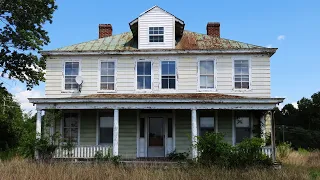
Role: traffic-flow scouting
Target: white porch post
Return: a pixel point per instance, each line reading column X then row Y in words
column 273, row 137
column 263, row 127
column 194, row 133
column 116, row 132
column 38, row 130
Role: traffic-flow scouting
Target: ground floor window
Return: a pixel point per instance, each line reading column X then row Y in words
column 105, row 128
column 206, row 125
column 71, row 127
column 243, row 128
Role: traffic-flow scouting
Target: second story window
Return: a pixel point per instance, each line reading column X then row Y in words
column 107, row 74
column 156, row 34
column 206, row 74
column 241, row 74
column 144, row 75
column 168, row 74
column 71, row 71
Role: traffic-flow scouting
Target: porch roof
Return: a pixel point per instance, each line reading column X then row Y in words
column 158, row 101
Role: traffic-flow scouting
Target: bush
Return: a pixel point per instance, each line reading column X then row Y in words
column 175, row 156
column 213, row 150
column 283, row 150
column 107, row 158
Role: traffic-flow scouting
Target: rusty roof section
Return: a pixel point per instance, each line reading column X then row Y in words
column 204, row 96
column 189, row 41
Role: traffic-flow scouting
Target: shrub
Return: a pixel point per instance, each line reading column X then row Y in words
column 107, row 158
column 213, row 150
column 175, row 156
column 303, row 151
column 283, row 150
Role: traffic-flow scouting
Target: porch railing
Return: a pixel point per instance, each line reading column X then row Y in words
column 87, row 152
column 267, row 151
column 81, row 152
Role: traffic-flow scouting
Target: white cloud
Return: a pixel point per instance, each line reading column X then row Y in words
column 281, row 37
column 269, row 46
column 22, row 98
column 295, row 104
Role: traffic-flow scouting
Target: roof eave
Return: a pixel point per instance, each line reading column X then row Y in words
column 269, row 51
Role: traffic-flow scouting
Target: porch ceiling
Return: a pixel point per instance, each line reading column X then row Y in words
column 158, row 101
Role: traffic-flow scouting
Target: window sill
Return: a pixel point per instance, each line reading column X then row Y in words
column 143, row 90
column 106, row 91
column 70, row 91
column 207, row 90
column 241, row 90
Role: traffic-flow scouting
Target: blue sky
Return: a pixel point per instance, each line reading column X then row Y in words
column 292, row 26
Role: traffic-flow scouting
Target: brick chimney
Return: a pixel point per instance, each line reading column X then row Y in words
column 105, row 30
column 213, row 29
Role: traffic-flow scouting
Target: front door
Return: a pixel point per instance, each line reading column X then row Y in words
column 156, row 137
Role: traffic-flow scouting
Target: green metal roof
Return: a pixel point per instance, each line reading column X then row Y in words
column 189, row 41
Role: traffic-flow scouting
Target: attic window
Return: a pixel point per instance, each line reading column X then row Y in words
column 156, row 34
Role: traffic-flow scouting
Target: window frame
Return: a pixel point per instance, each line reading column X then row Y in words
column 62, row 124
column 99, row 131
column 215, row 124
column 176, row 74
column 63, row 82
column 115, row 76
column 233, row 73
column 136, row 75
column 214, row 74
column 155, row 34
column 234, row 128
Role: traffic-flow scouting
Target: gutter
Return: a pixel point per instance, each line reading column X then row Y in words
column 269, row 51
column 99, row 100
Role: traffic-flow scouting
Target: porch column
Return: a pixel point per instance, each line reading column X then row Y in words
column 194, row 133
column 273, row 137
column 38, row 130
column 116, row 132
column 263, row 127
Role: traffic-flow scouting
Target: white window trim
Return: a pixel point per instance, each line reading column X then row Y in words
column 62, row 123
column 150, row 43
column 136, row 75
column 233, row 73
column 63, row 76
column 215, row 74
column 160, row 74
column 234, row 135
column 115, row 76
column 98, row 131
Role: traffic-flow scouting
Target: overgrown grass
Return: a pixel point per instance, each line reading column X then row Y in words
column 297, row 165
column 22, row 169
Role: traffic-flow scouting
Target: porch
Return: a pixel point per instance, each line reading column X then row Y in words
column 138, row 128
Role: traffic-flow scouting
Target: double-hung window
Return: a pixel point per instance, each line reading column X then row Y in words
column 105, row 128
column 241, row 74
column 144, row 75
column 107, row 75
column 71, row 71
column 168, row 74
column 206, row 73
column 156, row 34
column 206, row 125
column 243, row 128
column 70, row 127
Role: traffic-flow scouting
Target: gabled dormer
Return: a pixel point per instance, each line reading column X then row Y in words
column 156, row 29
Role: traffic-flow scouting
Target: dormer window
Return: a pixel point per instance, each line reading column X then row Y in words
column 156, row 34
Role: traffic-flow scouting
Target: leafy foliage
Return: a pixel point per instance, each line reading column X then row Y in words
column 215, row 151
column 108, row 157
column 21, row 36
column 302, row 125
column 175, row 156
column 283, row 150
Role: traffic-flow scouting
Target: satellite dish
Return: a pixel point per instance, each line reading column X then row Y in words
column 79, row 80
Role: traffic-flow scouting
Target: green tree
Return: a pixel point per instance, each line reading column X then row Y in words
column 22, row 36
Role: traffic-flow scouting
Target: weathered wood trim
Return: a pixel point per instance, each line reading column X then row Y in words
column 239, row 106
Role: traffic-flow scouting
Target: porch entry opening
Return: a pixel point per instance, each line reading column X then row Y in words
column 156, row 137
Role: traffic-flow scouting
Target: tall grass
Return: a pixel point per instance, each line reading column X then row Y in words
column 22, row 169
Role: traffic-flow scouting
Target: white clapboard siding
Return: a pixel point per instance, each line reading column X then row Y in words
column 156, row 18
column 187, row 73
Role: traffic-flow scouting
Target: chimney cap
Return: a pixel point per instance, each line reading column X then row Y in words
column 213, row 24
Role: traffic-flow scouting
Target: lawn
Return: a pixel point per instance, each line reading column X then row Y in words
column 296, row 166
